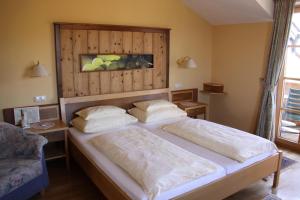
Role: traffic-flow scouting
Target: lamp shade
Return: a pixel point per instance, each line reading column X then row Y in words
column 39, row 70
column 190, row 63
column 187, row 62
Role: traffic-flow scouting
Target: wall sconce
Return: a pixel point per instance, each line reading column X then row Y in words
column 39, row 70
column 187, row 62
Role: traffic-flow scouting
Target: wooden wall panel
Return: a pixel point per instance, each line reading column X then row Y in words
column 163, row 55
column 93, row 47
column 67, row 61
column 127, row 49
column 116, row 77
column 148, row 49
column 71, row 40
column 158, row 60
column 138, row 47
column 79, row 47
column 104, row 47
column 127, row 42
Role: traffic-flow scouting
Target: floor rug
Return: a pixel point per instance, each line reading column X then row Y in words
column 286, row 162
column 271, row 197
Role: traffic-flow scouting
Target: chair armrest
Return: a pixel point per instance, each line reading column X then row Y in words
column 15, row 142
column 31, row 146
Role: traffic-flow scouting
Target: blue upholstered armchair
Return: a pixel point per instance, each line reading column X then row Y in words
column 23, row 171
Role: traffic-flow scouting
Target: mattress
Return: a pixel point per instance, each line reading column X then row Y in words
column 228, row 164
column 123, row 180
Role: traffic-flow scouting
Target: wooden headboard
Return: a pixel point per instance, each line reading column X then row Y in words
column 72, row 40
column 69, row 106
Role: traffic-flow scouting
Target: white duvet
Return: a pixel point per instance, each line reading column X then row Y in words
column 230, row 142
column 154, row 163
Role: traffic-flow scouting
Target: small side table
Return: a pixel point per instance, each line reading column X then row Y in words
column 193, row 109
column 57, row 133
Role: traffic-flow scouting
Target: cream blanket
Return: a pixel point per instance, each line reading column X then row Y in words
column 154, row 163
column 230, row 142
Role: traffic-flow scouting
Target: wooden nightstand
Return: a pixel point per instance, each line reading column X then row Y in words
column 57, row 136
column 188, row 100
column 193, row 109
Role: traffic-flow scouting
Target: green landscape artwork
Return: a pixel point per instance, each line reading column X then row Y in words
column 109, row 62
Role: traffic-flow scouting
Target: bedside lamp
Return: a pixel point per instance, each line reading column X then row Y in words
column 39, row 70
column 187, row 62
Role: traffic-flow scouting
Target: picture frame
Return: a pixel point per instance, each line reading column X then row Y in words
column 115, row 62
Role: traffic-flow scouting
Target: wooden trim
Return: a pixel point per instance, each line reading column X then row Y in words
column 288, row 144
column 63, row 110
column 277, row 173
column 213, row 93
column 168, row 58
column 59, row 126
column 67, row 149
column 297, row 9
column 225, row 186
column 293, row 45
column 290, row 110
column 112, row 96
column 180, row 94
column 57, row 28
column 234, row 182
column 292, row 79
column 109, row 27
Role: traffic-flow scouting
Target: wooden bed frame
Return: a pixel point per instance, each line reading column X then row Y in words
column 218, row 189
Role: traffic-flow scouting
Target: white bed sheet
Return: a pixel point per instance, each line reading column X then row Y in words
column 230, row 165
column 123, row 180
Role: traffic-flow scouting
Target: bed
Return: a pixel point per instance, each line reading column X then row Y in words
column 115, row 185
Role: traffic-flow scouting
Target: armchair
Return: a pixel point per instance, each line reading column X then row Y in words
column 23, row 171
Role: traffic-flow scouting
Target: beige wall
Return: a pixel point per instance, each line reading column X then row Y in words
column 239, row 59
column 232, row 54
column 27, row 35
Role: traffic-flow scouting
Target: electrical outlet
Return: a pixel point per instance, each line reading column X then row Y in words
column 39, row 99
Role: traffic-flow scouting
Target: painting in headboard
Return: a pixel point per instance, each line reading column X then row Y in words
column 74, row 40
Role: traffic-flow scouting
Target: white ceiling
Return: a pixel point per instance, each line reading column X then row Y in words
column 218, row 12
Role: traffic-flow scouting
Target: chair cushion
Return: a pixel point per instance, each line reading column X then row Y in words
column 16, row 172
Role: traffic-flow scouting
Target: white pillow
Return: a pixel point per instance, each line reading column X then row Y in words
column 154, row 105
column 101, row 124
column 157, row 115
column 99, row 112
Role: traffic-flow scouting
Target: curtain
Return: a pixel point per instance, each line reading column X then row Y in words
column 283, row 11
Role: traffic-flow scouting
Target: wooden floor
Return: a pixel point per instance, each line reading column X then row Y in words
column 74, row 185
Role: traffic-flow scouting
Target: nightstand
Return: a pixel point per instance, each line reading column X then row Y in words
column 57, row 136
column 193, row 109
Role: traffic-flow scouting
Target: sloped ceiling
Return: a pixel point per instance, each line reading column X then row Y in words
column 218, row 12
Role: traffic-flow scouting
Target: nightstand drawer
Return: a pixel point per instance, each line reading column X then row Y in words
column 54, row 136
column 196, row 111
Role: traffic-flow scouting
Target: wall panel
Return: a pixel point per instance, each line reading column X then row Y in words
column 127, row 49
column 148, row 40
column 67, row 61
column 93, row 47
column 76, row 39
column 104, row 47
column 79, row 47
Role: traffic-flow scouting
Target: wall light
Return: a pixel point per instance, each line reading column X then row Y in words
column 39, row 70
column 187, row 62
